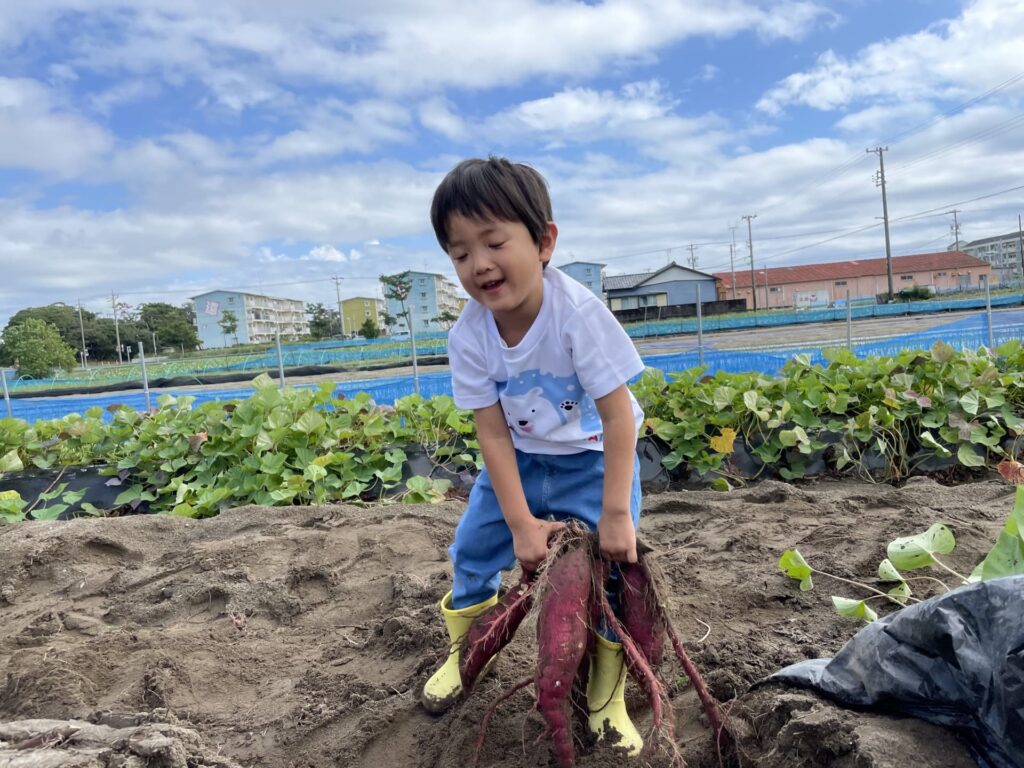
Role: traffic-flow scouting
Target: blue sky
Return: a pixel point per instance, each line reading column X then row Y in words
column 161, row 148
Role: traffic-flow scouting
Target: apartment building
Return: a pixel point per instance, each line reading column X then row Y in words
column 1003, row 252
column 589, row 273
column 359, row 309
column 259, row 318
column 431, row 295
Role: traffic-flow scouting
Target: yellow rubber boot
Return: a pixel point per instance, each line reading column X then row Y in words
column 445, row 686
column 605, row 697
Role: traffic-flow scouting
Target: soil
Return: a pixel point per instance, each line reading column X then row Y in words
column 300, row 636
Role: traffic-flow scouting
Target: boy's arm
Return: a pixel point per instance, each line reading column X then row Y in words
column 615, row 531
column 529, row 535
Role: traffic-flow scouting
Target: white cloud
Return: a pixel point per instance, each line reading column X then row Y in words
column 953, row 60
column 36, row 135
column 393, row 46
column 125, row 92
column 325, row 253
column 332, row 128
column 439, row 115
column 576, row 114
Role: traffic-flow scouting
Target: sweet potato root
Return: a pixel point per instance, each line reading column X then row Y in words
column 493, row 629
column 563, row 635
column 640, row 613
column 572, row 605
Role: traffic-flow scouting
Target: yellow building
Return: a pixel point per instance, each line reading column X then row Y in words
column 355, row 311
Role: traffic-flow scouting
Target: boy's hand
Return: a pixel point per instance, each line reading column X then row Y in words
column 617, row 537
column 530, row 541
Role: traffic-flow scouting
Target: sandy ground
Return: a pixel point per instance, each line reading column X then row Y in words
column 300, row 636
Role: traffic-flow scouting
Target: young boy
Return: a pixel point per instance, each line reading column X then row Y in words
column 543, row 365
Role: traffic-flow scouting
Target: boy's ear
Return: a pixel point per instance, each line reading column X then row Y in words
column 547, row 242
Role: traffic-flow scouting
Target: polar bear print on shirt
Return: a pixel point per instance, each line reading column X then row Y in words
column 545, row 402
column 531, row 413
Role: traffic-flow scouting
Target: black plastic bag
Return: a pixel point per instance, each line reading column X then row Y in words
column 956, row 660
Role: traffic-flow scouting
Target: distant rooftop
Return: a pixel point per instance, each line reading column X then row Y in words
column 842, row 270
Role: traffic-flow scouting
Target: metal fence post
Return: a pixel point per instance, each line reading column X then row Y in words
column 145, row 377
column 415, row 363
column 7, row 395
column 849, row 321
column 988, row 313
column 280, row 358
column 700, row 330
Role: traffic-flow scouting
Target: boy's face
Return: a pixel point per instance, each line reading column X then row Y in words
column 500, row 266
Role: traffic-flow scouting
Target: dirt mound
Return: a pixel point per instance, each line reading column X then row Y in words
column 301, row 636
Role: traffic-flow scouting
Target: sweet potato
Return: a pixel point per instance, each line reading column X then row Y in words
column 493, row 629
column 563, row 630
column 640, row 613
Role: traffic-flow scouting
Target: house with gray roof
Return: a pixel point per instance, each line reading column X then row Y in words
column 672, row 285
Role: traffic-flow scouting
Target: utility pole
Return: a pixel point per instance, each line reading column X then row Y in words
column 767, row 303
column 956, row 229
column 750, row 245
column 117, row 331
column 693, row 255
column 337, row 293
column 880, row 182
column 732, row 263
column 81, row 327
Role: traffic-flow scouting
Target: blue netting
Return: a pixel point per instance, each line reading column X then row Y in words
column 962, row 333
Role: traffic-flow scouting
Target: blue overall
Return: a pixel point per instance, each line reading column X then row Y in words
column 557, row 487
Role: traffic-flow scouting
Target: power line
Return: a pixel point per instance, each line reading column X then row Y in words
column 956, row 110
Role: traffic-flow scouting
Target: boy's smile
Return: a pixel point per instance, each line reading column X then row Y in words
column 501, row 267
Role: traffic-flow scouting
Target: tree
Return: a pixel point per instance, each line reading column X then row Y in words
column 322, row 321
column 369, row 329
column 36, row 348
column 60, row 315
column 170, row 324
column 398, row 287
column 445, row 319
column 229, row 324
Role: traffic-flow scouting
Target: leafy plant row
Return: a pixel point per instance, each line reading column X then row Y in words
column 881, row 418
column 292, row 446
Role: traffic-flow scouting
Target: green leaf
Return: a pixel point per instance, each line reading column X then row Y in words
column 911, row 552
column 720, row 484
column 1006, row 558
column 900, row 593
column 273, row 463
column 11, row 462
column 309, row 422
column 314, row 473
column 854, row 609
column 968, row 456
column 11, row 507
column 133, row 493
column 888, row 572
column 184, row 510
column 942, row 352
column 792, row 563
column 970, row 402
column 50, row 512
column 927, row 439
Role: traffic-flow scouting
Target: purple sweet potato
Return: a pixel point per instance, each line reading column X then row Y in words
column 492, row 630
column 563, row 634
column 640, row 613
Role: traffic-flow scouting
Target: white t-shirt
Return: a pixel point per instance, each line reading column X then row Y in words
column 574, row 353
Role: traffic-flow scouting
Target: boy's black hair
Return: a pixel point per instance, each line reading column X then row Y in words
column 495, row 187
